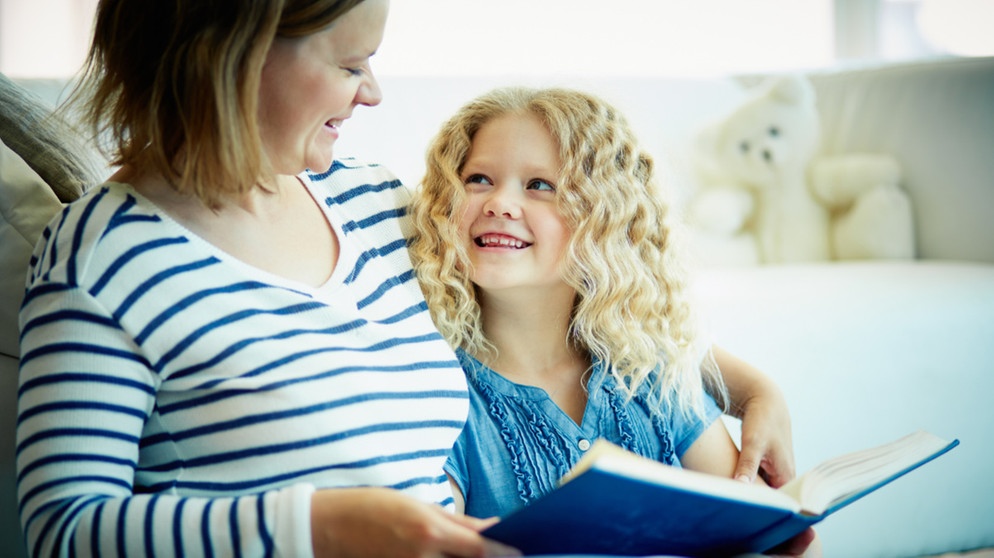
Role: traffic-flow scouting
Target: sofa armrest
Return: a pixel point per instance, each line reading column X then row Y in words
column 11, row 542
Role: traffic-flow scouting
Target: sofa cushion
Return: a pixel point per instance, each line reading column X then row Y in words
column 46, row 143
column 866, row 352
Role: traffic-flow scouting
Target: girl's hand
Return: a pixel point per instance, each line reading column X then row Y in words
column 767, row 445
column 382, row 522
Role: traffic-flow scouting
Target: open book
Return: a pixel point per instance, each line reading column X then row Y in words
column 615, row 502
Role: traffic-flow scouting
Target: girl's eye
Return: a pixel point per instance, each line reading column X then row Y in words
column 539, row 184
column 354, row 72
column 477, row 179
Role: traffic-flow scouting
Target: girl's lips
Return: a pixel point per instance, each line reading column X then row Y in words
column 492, row 240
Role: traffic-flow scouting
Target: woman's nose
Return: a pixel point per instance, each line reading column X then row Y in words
column 369, row 93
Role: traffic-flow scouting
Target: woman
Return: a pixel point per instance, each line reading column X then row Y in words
column 215, row 332
column 224, row 352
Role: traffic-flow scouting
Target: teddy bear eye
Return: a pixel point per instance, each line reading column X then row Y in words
column 774, row 132
column 744, row 147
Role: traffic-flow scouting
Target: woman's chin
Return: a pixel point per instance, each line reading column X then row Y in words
column 321, row 157
column 320, row 163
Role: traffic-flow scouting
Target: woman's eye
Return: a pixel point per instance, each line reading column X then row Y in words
column 355, row 72
column 539, row 184
column 477, row 179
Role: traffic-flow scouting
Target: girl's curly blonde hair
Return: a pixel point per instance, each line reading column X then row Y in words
column 631, row 310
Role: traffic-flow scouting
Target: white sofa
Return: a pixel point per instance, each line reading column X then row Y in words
column 864, row 351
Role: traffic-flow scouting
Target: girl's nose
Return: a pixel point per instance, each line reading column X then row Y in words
column 502, row 203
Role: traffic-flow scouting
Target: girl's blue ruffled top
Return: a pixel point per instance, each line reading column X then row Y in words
column 517, row 443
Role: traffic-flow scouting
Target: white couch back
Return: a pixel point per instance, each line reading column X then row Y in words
column 935, row 117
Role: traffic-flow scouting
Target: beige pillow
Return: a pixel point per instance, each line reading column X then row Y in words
column 42, row 164
column 26, row 206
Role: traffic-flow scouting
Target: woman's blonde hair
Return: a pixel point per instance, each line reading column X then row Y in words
column 631, row 309
column 174, row 85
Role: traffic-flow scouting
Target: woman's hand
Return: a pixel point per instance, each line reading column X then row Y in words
column 805, row 545
column 767, row 445
column 349, row 522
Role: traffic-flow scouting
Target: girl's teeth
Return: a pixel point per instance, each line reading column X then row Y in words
column 501, row 241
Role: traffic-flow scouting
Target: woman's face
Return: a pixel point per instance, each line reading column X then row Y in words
column 311, row 85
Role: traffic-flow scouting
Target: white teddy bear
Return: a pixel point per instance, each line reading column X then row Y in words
column 764, row 196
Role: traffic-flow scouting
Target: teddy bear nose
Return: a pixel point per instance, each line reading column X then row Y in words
column 767, row 156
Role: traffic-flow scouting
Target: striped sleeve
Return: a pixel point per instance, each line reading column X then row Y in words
column 85, row 394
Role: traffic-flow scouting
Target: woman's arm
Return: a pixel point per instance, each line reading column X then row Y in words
column 767, row 445
column 383, row 522
column 86, row 397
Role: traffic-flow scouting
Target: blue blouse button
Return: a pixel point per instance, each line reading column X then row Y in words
column 584, row 445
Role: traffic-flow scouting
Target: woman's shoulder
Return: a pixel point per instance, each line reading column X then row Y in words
column 362, row 189
column 88, row 216
column 101, row 226
column 355, row 173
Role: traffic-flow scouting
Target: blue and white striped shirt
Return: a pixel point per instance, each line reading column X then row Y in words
column 174, row 400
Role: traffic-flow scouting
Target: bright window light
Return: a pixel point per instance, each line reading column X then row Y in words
column 592, row 37
column 44, row 38
column 48, row 38
column 963, row 27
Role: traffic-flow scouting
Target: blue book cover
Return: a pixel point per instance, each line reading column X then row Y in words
column 617, row 503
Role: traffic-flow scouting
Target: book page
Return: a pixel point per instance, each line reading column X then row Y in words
column 838, row 478
column 613, row 459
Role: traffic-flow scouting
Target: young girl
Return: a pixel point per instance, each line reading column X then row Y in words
column 547, row 257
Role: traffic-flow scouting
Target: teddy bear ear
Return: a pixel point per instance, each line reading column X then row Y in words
column 791, row 88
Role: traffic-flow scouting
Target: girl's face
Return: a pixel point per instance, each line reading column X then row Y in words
column 514, row 233
column 311, row 85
